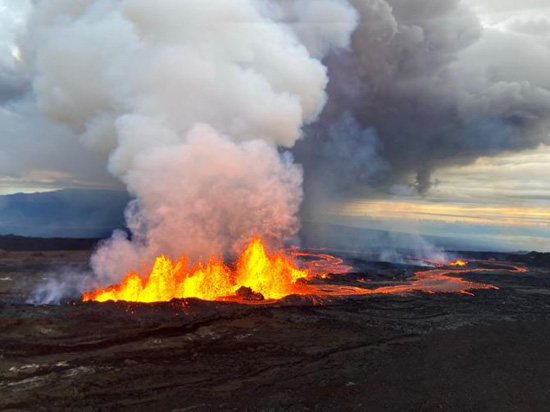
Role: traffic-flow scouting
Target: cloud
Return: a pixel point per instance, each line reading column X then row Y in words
column 192, row 105
column 417, row 92
column 514, row 179
column 436, row 88
column 508, row 5
column 14, row 77
column 36, row 153
column 430, row 83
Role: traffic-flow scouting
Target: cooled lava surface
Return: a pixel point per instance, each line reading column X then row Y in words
column 470, row 337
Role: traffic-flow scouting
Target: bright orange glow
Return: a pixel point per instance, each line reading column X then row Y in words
column 273, row 276
column 458, row 262
column 321, row 264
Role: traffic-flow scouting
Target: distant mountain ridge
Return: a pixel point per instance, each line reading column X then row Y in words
column 94, row 214
column 69, row 213
column 346, row 237
column 35, row 244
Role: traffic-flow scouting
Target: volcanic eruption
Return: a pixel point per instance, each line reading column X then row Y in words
column 458, row 262
column 271, row 276
column 248, row 214
column 193, row 105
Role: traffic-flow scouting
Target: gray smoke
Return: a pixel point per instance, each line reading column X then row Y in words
column 60, row 285
column 429, row 86
column 191, row 104
column 14, row 76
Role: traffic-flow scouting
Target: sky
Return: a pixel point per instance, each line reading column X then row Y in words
column 501, row 202
column 35, row 153
column 500, row 198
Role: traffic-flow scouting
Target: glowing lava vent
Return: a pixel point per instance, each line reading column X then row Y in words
column 273, row 276
column 458, row 262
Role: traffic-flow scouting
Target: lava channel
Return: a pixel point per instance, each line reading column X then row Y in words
column 258, row 277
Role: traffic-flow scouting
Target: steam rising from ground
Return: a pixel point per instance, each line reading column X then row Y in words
column 189, row 101
column 66, row 283
column 210, row 194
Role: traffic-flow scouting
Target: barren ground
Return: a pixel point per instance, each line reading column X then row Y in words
column 421, row 352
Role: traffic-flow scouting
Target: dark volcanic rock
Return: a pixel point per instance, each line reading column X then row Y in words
column 538, row 259
column 22, row 243
column 423, row 352
column 248, row 294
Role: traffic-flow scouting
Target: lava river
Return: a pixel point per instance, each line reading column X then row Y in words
column 260, row 277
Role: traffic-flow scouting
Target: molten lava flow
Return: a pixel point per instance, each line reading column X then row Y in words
column 322, row 264
column 458, row 262
column 273, row 276
column 258, row 276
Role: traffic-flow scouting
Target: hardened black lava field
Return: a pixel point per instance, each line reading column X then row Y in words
column 485, row 351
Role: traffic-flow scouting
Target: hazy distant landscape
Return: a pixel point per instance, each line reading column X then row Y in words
column 94, row 214
column 64, row 213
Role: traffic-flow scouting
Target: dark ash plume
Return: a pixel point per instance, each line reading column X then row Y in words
column 420, row 76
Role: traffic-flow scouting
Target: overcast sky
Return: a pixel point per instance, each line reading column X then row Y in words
column 35, row 154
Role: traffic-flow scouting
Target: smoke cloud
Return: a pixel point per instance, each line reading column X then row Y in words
column 199, row 107
column 435, row 88
column 191, row 104
column 65, row 283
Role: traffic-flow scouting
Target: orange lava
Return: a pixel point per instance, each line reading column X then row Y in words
column 438, row 281
column 321, row 264
column 430, row 281
column 273, row 276
column 458, row 262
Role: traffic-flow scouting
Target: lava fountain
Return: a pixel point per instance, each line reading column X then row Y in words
column 458, row 262
column 272, row 276
column 260, row 276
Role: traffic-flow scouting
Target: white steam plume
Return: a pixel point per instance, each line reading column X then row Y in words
column 188, row 101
